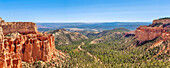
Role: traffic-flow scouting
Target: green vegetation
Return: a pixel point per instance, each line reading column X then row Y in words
column 78, row 58
column 119, row 53
column 166, row 25
column 164, row 18
column 157, row 24
column 106, row 32
column 64, row 37
column 116, row 52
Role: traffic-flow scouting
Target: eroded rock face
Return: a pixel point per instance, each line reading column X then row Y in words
column 27, row 46
column 164, row 21
column 20, row 27
column 156, row 29
column 0, row 19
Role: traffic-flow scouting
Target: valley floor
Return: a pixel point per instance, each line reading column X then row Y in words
column 113, row 54
column 96, row 59
column 111, row 49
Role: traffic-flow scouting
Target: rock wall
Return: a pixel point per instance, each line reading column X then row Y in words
column 164, row 21
column 20, row 27
column 147, row 33
column 0, row 19
column 28, row 46
column 8, row 59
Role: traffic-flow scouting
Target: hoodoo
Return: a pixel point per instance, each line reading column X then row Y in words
column 20, row 41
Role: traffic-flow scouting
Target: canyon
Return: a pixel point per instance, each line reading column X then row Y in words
column 23, row 46
column 21, row 42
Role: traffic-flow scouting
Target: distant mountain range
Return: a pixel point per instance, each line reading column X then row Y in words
column 90, row 26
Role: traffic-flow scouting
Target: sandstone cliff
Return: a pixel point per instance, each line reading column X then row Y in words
column 156, row 29
column 20, row 27
column 0, row 19
column 160, row 28
column 164, row 21
column 23, row 43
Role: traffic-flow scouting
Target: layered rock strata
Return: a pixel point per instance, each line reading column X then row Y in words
column 156, row 29
column 164, row 21
column 29, row 46
column 20, row 27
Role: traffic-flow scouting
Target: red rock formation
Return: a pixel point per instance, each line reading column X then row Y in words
column 25, row 47
column 128, row 34
column 20, row 27
column 146, row 33
column 164, row 21
column 0, row 19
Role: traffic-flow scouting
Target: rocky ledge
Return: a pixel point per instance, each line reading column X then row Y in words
column 20, row 27
column 159, row 28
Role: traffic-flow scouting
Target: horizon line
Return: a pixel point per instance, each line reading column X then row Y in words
column 90, row 22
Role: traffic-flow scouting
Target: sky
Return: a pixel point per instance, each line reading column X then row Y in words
column 45, row 11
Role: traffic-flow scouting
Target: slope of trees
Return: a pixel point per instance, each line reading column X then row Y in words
column 121, row 52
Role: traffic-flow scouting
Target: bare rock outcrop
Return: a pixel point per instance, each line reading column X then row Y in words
column 0, row 19
column 156, row 29
column 27, row 45
column 164, row 21
column 20, row 27
column 128, row 34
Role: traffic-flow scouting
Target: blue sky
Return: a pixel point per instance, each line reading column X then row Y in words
column 84, row 10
